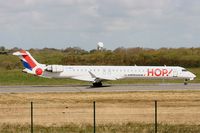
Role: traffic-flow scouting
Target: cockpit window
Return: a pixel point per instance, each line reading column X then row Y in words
column 184, row 70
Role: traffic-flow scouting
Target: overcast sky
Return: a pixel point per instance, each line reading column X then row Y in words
column 83, row 23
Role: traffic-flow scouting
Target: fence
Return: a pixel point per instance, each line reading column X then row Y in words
column 95, row 114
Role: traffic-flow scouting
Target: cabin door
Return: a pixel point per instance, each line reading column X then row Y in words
column 175, row 73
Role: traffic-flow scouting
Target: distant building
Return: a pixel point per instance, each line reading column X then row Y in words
column 100, row 46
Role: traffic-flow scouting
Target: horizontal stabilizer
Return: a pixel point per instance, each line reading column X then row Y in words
column 19, row 53
column 28, row 71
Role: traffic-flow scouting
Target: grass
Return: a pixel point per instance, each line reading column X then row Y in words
column 174, row 107
column 116, row 112
column 16, row 77
column 102, row 128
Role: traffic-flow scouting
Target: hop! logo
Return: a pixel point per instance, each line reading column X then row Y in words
column 159, row 72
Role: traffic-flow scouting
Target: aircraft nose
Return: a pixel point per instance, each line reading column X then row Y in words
column 192, row 76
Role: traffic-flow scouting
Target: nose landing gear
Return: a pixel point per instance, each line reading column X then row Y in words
column 185, row 81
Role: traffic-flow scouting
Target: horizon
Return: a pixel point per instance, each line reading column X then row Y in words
column 74, row 47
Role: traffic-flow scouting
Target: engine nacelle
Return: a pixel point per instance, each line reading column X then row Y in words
column 55, row 68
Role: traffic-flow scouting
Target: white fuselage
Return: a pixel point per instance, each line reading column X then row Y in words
column 90, row 73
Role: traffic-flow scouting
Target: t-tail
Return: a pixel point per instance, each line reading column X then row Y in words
column 30, row 64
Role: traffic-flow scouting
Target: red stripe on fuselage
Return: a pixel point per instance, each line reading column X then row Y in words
column 28, row 59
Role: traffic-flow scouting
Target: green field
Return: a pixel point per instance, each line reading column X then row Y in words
column 17, row 77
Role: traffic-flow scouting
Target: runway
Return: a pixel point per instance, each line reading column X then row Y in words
column 106, row 88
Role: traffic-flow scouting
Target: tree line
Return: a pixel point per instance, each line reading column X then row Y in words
column 185, row 57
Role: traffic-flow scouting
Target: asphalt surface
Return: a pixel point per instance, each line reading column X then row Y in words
column 106, row 88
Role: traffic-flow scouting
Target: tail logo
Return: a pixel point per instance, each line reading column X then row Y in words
column 31, row 65
column 27, row 61
column 38, row 71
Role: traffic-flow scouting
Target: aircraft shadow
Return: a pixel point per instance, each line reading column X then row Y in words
column 93, row 87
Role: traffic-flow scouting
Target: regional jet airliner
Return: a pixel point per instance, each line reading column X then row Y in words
column 98, row 74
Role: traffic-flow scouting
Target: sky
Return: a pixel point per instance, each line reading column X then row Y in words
column 83, row 23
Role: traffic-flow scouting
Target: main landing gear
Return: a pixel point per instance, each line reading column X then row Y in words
column 185, row 81
column 97, row 84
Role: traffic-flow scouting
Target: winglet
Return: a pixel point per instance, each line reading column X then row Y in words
column 92, row 75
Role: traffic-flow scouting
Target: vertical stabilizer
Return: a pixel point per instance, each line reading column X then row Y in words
column 29, row 63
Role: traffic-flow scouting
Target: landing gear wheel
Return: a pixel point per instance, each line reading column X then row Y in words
column 99, row 84
column 185, row 82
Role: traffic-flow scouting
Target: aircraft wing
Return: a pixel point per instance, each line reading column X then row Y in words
column 99, row 78
column 95, row 78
